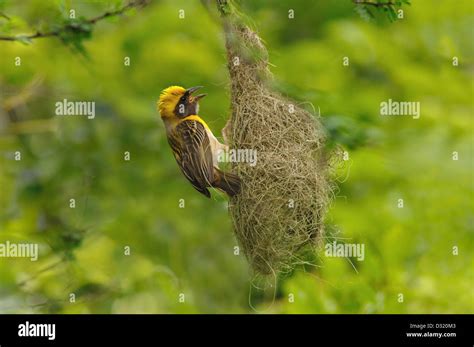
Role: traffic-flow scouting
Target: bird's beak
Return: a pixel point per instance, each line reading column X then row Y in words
column 200, row 96
column 192, row 90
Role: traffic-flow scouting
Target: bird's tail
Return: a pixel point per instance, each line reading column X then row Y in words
column 226, row 181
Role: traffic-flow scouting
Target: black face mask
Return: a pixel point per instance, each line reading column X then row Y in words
column 184, row 108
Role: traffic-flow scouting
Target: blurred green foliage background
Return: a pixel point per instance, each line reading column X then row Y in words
column 190, row 250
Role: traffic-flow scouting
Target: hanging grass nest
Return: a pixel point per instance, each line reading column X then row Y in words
column 279, row 211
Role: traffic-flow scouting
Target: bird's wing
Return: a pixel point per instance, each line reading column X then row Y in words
column 192, row 150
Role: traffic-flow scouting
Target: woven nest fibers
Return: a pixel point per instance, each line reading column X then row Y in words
column 279, row 211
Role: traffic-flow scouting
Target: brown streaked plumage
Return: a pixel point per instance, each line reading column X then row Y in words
column 194, row 146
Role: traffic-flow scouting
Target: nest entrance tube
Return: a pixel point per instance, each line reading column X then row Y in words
column 279, row 211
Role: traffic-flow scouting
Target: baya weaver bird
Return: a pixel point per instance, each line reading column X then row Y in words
column 194, row 146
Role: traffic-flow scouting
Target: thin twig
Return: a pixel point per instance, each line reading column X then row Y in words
column 376, row 4
column 94, row 20
column 43, row 270
column 3, row 15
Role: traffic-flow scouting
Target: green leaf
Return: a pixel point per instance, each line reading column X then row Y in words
column 24, row 39
column 117, row 4
column 132, row 11
column 74, row 31
column 392, row 14
column 364, row 13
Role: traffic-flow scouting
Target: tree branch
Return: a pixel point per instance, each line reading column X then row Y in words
column 376, row 4
column 69, row 26
column 3, row 15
